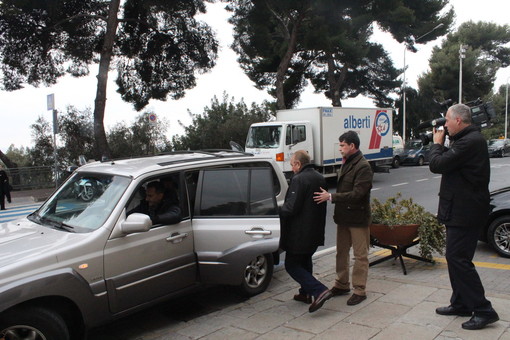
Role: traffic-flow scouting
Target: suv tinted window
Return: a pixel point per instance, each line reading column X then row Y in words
column 236, row 192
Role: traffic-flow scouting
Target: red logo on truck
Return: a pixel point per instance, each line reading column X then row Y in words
column 380, row 128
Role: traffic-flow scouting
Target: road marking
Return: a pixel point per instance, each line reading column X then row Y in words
column 399, row 184
column 385, row 252
column 436, row 177
column 375, row 189
column 421, row 180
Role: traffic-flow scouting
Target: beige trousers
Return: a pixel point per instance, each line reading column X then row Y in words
column 359, row 239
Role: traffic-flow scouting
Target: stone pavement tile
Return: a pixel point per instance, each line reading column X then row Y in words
column 339, row 303
column 348, row 331
column 424, row 314
column 378, row 314
column 284, row 333
column 407, row 331
column 231, row 333
column 381, row 286
column 408, row 294
column 441, row 296
column 506, row 335
column 262, row 323
column 454, row 330
column 316, row 322
column 206, row 325
column 502, row 306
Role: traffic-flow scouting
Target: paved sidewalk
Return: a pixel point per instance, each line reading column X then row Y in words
column 398, row 307
column 29, row 196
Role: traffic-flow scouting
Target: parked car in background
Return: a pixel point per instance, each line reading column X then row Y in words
column 415, row 153
column 499, row 147
column 75, row 264
column 398, row 149
column 497, row 230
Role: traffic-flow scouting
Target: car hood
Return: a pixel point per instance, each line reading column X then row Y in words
column 23, row 239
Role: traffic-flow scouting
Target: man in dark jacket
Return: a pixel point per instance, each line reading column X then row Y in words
column 5, row 188
column 463, row 208
column 160, row 210
column 353, row 217
column 302, row 229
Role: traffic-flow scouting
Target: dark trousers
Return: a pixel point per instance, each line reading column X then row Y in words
column 468, row 292
column 300, row 268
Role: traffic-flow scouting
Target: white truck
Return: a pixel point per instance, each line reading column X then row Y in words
column 316, row 130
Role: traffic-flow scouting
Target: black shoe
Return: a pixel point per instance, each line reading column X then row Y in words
column 339, row 291
column 479, row 322
column 449, row 310
column 325, row 295
column 303, row 298
column 355, row 299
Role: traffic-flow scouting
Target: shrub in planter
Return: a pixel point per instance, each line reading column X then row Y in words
column 396, row 211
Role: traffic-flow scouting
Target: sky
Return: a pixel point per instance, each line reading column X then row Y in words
column 20, row 109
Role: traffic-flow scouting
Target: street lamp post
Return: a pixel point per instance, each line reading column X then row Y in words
column 506, row 110
column 404, row 82
column 462, row 55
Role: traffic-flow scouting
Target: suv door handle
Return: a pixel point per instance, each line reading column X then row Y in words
column 258, row 231
column 176, row 237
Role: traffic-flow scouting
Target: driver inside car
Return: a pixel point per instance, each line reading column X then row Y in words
column 159, row 209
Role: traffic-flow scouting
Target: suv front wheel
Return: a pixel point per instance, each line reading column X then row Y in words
column 34, row 323
column 498, row 235
column 257, row 275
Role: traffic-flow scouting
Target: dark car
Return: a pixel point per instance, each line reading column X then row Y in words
column 497, row 230
column 499, row 147
column 415, row 153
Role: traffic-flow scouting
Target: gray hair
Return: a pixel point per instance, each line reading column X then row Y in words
column 462, row 111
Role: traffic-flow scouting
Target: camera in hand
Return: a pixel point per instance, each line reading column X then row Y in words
column 482, row 115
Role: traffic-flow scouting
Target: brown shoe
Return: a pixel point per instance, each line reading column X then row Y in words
column 355, row 299
column 303, row 298
column 339, row 291
column 325, row 295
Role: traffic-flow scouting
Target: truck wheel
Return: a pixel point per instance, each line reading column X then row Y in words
column 257, row 275
column 498, row 235
column 421, row 160
column 396, row 162
column 34, row 323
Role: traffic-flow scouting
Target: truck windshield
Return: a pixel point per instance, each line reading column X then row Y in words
column 83, row 203
column 264, row 136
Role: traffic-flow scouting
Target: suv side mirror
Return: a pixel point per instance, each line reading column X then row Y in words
column 136, row 223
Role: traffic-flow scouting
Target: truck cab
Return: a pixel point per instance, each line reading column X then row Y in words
column 279, row 140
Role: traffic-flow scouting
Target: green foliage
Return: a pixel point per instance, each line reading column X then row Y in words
column 221, row 123
column 76, row 134
column 282, row 44
column 396, row 211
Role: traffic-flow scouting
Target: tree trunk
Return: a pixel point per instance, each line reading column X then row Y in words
column 284, row 65
column 102, row 148
column 335, row 83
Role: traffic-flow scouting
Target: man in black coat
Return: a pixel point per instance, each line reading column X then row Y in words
column 463, row 208
column 5, row 188
column 302, row 229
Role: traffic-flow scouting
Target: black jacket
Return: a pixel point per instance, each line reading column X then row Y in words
column 165, row 213
column 302, row 220
column 464, row 192
column 5, row 188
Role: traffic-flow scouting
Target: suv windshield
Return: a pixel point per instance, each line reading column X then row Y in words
column 264, row 137
column 83, row 203
column 496, row 142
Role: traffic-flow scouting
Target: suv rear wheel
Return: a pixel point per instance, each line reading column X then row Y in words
column 34, row 323
column 257, row 275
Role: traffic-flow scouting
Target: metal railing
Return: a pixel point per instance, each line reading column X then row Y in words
column 36, row 177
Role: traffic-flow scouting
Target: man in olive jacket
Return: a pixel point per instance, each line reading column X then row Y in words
column 353, row 218
column 302, row 229
column 464, row 209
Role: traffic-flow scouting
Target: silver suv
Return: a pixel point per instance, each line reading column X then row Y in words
column 82, row 259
